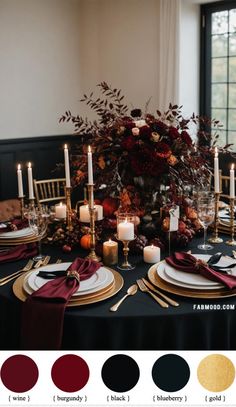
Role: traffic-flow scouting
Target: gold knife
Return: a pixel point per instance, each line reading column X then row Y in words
column 169, row 300
column 143, row 288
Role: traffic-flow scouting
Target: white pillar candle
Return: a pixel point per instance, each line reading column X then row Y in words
column 84, row 214
column 232, row 183
column 151, row 254
column 67, row 166
column 99, row 210
column 90, row 166
column 110, row 252
column 125, row 230
column 216, row 172
column 30, row 182
column 60, row 211
column 20, row 183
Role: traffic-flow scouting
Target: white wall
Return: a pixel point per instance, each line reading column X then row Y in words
column 53, row 51
column 40, row 65
column 189, row 57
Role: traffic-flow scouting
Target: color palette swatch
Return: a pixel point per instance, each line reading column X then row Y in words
column 136, row 378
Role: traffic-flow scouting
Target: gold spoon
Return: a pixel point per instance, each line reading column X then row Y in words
column 131, row 291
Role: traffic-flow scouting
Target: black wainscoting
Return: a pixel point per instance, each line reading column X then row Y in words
column 43, row 152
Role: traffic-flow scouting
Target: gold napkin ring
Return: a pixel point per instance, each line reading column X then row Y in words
column 73, row 274
column 199, row 263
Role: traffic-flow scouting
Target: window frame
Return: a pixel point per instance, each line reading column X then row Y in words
column 206, row 54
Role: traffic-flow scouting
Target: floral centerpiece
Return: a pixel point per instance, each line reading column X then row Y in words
column 140, row 157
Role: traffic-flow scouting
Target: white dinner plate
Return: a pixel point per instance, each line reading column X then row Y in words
column 14, row 234
column 197, row 279
column 224, row 216
column 101, row 279
column 162, row 274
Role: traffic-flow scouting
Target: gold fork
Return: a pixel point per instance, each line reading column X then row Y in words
column 27, row 267
column 143, row 288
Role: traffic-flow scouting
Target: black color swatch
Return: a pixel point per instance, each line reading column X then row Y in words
column 120, row 373
column 170, row 373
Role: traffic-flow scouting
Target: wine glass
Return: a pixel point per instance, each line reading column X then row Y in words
column 38, row 222
column 206, row 214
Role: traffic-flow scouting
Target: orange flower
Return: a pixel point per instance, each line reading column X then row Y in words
column 172, row 160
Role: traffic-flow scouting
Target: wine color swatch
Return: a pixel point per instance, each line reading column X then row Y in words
column 70, row 373
column 120, row 373
column 170, row 373
column 19, row 373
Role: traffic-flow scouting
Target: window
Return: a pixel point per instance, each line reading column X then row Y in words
column 218, row 66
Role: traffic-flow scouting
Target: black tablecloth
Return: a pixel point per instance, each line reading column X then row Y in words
column 140, row 323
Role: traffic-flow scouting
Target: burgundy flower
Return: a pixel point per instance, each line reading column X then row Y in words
column 173, row 132
column 163, row 150
column 136, row 113
column 128, row 143
column 144, row 162
column 186, row 138
column 160, row 127
column 145, row 132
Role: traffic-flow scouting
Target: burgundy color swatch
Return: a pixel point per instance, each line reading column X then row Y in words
column 19, row 373
column 70, row 373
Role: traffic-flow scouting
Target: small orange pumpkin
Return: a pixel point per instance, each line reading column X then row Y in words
column 85, row 241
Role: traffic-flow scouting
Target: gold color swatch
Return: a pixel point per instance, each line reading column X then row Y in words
column 216, row 373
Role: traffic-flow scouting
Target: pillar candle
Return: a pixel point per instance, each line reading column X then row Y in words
column 151, row 254
column 84, row 215
column 232, row 183
column 20, row 183
column 125, row 230
column 216, row 172
column 30, row 182
column 60, row 211
column 110, row 252
column 67, row 166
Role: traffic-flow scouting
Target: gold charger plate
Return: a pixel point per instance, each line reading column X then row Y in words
column 187, row 292
column 22, row 240
column 118, row 283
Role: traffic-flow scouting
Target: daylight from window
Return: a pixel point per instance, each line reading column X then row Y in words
column 223, row 73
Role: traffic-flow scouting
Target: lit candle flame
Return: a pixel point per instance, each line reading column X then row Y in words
column 19, row 167
column 60, row 204
column 109, row 240
column 216, row 152
column 126, row 220
column 29, row 165
column 152, row 246
column 89, row 149
column 65, row 146
column 232, row 166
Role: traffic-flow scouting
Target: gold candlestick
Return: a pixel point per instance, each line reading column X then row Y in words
column 231, row 242
column 215, row 238
column 93, row 213
column 126, row 265
column 22, row 206
column 68, row 208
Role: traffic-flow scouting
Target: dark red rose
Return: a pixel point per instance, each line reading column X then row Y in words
column 145, row 132
column 136, row 113
column 163, row 150
column 128, row 143
column 173, row 132
column 186, row 138
column 160, row 127
column 144, row 162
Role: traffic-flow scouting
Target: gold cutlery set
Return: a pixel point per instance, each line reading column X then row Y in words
column 146, row 287
column 30, row 265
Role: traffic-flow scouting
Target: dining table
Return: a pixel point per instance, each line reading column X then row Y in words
column 140, row 323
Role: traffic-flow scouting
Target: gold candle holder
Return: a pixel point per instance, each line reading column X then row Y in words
column 93, row 214
column 126, row 265
column 32, row 203
column 22, row 204
column 215, row 238
column 68, row 208
column 231, row 242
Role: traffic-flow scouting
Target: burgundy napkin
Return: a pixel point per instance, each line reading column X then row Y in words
column 22, row 251
column 43, row 311
column 186, row 262
column 15, row 224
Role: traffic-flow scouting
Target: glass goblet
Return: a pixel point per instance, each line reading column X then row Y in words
column 38, row 223
column 206, row 214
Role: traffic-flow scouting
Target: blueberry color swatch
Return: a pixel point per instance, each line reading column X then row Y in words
column 170, row 373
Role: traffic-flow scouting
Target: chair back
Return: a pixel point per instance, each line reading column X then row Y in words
column 49, row 190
